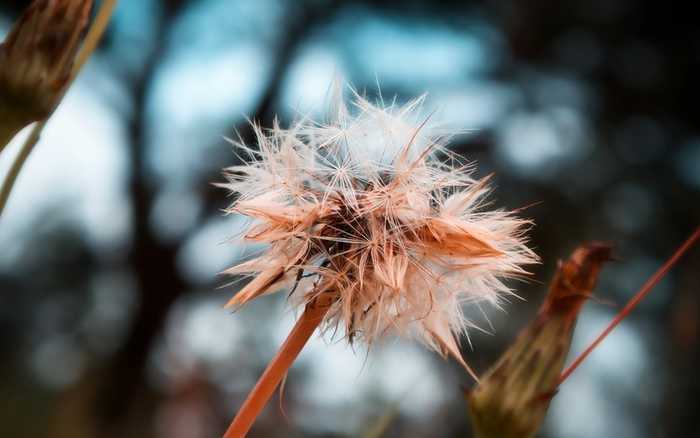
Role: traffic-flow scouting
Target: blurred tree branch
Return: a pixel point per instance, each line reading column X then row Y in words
column 152, row 261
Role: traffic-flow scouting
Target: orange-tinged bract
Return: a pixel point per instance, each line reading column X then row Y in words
column 372, row 210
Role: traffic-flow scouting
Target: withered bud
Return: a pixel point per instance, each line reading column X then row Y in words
column 37, row 57
column 513, row 396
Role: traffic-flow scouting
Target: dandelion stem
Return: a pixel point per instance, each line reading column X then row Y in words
column 94, row 35
column 92, row 38
column 277, row 369
column 638, row 297
column 17, row 164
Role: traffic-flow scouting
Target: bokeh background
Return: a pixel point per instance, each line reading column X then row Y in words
column 111, row 313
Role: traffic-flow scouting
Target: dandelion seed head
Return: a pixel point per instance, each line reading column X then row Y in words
column 371, row 208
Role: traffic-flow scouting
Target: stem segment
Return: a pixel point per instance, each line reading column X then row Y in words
column 12, row 174
column 277, row 369
column 638, row 297
column 8, row 129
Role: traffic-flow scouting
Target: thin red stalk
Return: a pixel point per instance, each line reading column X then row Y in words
column 638, row 297
column 276, row 370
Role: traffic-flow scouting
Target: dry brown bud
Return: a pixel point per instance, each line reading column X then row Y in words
column 513, row 396
column 37, row 57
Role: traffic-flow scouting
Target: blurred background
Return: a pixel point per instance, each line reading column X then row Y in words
column 111, row 314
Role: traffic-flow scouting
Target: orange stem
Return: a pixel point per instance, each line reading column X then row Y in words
column 638, row 297
column 277, row 369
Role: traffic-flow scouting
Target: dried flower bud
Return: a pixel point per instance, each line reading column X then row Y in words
column 512, row 398
column 37, row 57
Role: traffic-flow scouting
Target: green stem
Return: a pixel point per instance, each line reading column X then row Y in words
column 21, row 158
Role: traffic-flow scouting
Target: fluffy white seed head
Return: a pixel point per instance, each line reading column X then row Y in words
column 372, row 210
